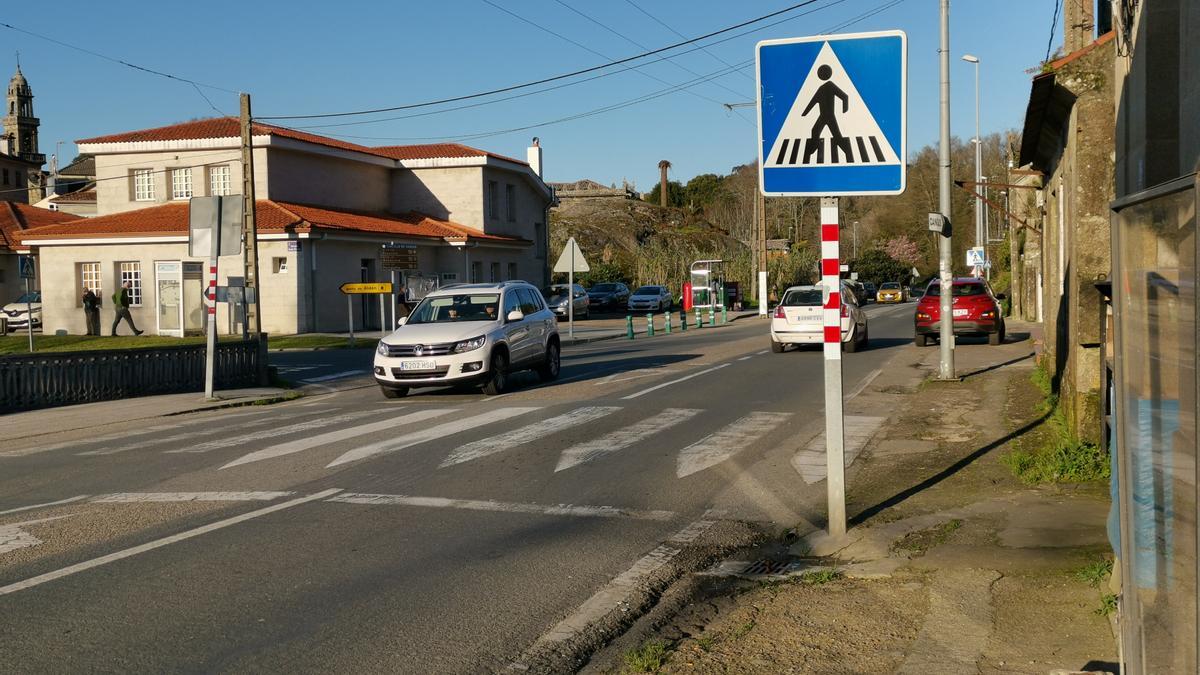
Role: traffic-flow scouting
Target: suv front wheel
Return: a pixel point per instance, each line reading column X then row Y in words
column 548, row 371
column 498, row 380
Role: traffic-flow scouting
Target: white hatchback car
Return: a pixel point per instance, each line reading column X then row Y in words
column 798, row 319
column 656, row 298
column 470, row 334
column 18, row 311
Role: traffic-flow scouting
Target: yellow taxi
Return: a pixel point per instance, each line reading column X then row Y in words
column 889, row 292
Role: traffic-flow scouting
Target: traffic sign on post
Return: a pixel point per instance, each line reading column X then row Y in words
column 28, row 267
column 571, row 261
column 832, row 115
column 831, row 123
column 366, row 288
column 399, row 257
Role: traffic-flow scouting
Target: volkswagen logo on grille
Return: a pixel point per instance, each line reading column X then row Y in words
column 419, row 350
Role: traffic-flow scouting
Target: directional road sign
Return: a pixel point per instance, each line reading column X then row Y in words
column 369, row 288
column 399, row 257
column 832, row 115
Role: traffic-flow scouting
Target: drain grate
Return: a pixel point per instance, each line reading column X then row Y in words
column 767, row 567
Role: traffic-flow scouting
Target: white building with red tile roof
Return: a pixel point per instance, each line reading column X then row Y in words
column 325, row 209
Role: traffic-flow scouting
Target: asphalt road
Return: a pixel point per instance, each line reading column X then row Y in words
column 445, row 532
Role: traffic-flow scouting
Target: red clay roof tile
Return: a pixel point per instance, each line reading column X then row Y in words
column 16, row 217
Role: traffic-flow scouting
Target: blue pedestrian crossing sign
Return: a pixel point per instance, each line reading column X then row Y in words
column 832, row 115
column 28, row 269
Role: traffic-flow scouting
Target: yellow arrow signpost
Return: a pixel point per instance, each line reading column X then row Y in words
column 380, row 288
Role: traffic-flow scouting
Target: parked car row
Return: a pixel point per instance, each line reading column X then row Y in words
column 607, row 296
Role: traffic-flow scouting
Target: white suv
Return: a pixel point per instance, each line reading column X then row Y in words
column 470, row 333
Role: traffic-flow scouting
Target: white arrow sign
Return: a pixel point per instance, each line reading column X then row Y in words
column 572, row 259
column 12, row 537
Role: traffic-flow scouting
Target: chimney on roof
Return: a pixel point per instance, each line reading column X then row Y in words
column 1079, row 25
column 534, row 155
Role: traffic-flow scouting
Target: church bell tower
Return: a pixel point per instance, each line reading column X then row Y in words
column 20, row 126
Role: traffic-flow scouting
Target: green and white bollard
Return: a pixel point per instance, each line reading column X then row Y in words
column 699, row 321
column 629, row 326
column 649, row 324
column 683, row 320
column 724, row 314
column 712, row 315
column 667, row 322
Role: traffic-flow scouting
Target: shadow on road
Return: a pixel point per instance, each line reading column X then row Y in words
column 994, row 366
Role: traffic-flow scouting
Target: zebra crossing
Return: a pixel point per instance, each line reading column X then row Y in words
column 365, row 435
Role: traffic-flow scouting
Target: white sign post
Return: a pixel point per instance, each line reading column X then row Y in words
column 214, row 230
column 571, row 260
column 831, row 121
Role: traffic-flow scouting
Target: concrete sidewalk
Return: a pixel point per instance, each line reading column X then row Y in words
column 93, row 415
column 951, row 564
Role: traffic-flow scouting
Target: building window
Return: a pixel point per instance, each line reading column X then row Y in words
column 143, row 185
column 512, row 271
column 131, row 272
column 510, row 202
column 495, row 276
column 181, row 183
column 88, row 277
column 449, row 278
column 280, row 265
column 476, row 272
column 493, row 197
column 218, row 181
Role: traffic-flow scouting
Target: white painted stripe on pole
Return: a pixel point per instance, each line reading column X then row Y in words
column 622, row 438
column 502, row 507
column 302, row 444
column 68, row 500
column 727, row 441
column 150, row 497
column 526, row 434
column 667, row 384
column 621, row 589
column 432, row 433
column 159, row 543
column 318, row 423
column 833, row 351
column 829, row 250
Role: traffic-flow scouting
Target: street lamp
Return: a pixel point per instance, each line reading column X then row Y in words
column 856, row 240
column 969, row 58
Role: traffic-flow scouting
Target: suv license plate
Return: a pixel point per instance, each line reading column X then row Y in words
column 418, row 365
column 961, row 312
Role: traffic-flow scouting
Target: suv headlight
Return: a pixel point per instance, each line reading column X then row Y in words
column 469, row 345
column 382, row 349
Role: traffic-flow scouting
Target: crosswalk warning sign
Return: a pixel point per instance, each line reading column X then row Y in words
column 832, row 115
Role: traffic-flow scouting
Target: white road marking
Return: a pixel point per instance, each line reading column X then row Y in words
column 621, row 590
column 159, row 543
column 526, row 434
column 439, row 431
column 138, row 497
column 631, row 375
column 318, row 423
column 746, row 358
column 186, row 436
column 337, row 436
column 12, row 537
column 667, row 384
column 810, row 462
column 866, row 381
column 762, row 352
column 727, row 441
column 504, row 507
column 335, row 376
column 624, row 437
column 77, row 498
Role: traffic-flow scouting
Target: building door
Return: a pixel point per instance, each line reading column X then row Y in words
column 168, row 279
column 368, row 303
column 193, row 298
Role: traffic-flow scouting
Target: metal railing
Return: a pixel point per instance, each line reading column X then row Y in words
column 31, row 381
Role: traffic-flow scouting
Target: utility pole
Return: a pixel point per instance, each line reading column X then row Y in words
column 662, row 184
column 945, row 253
column 249, row 225
column 761, row 253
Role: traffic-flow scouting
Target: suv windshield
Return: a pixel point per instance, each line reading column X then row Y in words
column 803, row 297
column 455, row 308
column 604, row 288
column 958, row 290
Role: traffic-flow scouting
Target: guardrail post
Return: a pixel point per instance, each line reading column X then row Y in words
column 667, row 321
column 683, row 319
column 629, row 326
column 649, row 324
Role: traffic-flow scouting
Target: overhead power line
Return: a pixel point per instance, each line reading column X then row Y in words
column 678, row 34
column 554, row 78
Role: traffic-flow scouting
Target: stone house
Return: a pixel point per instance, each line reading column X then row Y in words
column 326, row 207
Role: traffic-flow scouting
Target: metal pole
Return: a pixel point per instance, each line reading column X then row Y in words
column 945, row 253
column 210, row 353
column 835, row 455
column 571, row 293
column 250, row 224
column 29, row 311
column 393, row 323
column 978, row 167
column 382, row 316
column 350, row 316
column 856, row 240
column 762, row 256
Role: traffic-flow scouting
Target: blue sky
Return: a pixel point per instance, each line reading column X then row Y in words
column 352, row 55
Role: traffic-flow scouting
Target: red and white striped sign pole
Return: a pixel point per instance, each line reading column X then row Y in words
column 210, row 306
column 835, row 463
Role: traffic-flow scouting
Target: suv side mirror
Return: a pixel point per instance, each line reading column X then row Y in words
column 401, row 321
column 515, row 315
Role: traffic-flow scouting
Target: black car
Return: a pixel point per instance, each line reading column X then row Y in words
column 608, row 295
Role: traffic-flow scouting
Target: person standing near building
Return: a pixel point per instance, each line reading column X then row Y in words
column 91, row 311
column 121, row 309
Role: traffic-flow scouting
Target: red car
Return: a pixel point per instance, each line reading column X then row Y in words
column 976, row 311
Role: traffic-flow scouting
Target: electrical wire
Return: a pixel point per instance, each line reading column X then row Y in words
column 678, row 34
column 545, row 80
column 1053, row 25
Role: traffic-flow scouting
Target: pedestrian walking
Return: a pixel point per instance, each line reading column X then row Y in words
column 91, row 311
column 402, row 307
column 121, row 309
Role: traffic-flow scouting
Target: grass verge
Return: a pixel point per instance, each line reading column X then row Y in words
column 649, row 657
column 1055, row 455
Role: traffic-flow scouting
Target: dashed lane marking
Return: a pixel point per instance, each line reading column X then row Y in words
column 503, row 507
column 526, row 434
column 727, row 441
column 439, row 431
column 337, row 436
column 165, row 541
column 624, row 437
column 68, row 500
column 673, row 382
